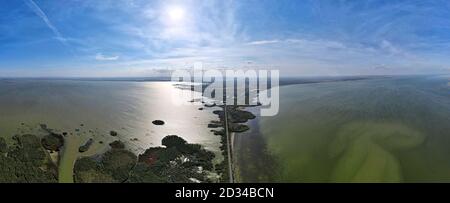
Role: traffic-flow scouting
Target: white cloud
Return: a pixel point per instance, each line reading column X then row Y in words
column 263, row 42
column 101, row 57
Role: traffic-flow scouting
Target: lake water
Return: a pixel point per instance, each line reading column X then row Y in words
column 377, row 130
column 91, row 109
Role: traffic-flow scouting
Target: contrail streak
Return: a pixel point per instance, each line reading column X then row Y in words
column 38, row 11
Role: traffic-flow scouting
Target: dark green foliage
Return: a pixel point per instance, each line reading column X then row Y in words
column 149, row 152
column 87, row 170
column 29, row 150
column 238, row 128
column 119, row 163
column 43, row 127
column 53, row 142
column 14, row 171
column 215, row 124
column 218, row 132
column 222, row 168
column 85, row 164
column 115, row 166
column 173, row 141
column 3, row 145
column 218, row 112
column 168, row 154
column 204, row 158
column 27, row 162
column 86, row 146
column 142, row 173
column 235, row 114
column 177, row 162
column 117, row 144
column 239, row 116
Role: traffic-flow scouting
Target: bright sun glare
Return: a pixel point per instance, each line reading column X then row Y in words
column 176, row 14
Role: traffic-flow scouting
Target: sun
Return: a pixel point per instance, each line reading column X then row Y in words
column 176, row 21
column 175, row 14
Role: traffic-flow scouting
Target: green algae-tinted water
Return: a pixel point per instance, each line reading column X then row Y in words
column 379, row 130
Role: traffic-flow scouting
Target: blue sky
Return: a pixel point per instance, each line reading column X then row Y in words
column 145, row 38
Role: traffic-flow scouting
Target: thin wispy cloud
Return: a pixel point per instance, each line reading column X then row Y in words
column 263, row 42
column 101, row 57
column 41, row 14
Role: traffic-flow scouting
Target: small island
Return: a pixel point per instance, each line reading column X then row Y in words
column 113, row 133
column 86, row 146
column 117, row 145
column 52, row 142
column 158, row 122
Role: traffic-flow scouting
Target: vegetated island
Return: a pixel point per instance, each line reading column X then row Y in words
column 86, row 146
column 158, row 122
column 53, row 142
column 236, row 118
column 176, row 162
